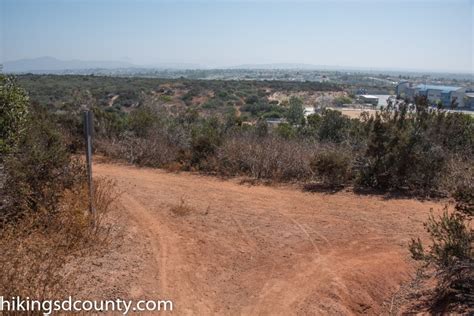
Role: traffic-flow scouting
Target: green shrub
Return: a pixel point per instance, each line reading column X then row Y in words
column 206, row 137
column 108, row 123
column 142, row 120
column 332, row 167
column 40, row 169
column 295, row 113
column 333, row 126
column 285, row 130
column 44, row 218
column 13, row 114
column 451, row 252
column 272, row 115
column 212, row 104
column 400, row 155
column 453, row 131
column 252, row 99
column 340, row 101
column 166, row 98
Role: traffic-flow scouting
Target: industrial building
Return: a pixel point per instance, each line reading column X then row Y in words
column 436, row 94
column 469, row 100
column 369, row 99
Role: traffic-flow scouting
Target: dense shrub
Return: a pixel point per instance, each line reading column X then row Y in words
column 13, row 114
column 285, row 130
column 452, row 131
column 39, row 170
column 107, row 123
column 36, row 249
column 142, row 120
column 333, row 126
column 295, row 113
column 400, row 148
column 267, row 157
column 396, row 149
column 451, row 253
column 44, row 216
column 151, row 152
column 340, row 101
column 206, row 138
column 400, row 155
column 332, row 166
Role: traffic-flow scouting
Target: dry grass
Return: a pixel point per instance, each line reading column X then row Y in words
column 266, row 158
column 182, row 208
column 153, row 151
column 459, row 172
column 36, row 248
column 31, row 261
column 174, row 166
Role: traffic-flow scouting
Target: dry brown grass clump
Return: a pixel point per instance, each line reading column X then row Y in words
column 182, row 208
column 152, row 151
column 270, row 158
column 36, row 248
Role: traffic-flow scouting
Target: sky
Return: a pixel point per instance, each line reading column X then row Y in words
column 387, row 34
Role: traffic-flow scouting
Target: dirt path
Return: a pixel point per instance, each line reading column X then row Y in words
column 257, row 250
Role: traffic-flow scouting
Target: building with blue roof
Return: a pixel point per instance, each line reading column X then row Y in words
column 436, row 94
column 469, row 100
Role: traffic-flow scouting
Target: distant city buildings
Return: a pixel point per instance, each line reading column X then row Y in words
column 436, row 94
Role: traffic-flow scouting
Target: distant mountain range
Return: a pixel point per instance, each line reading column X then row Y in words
column 53, row 65
column 297, row 66
column 50, row 64
column 288, row 66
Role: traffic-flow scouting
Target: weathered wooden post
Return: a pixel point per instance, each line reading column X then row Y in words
column 88, row 133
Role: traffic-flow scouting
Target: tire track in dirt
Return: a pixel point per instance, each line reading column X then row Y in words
column 268, row 250
column 168, row 260
column 155, row 234
column 273, row 289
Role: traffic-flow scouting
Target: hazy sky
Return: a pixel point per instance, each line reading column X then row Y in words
column 429, row 35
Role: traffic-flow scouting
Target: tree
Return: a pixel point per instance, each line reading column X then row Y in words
column 295, row 114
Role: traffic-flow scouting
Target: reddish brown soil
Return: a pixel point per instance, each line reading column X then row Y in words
column 260, row 250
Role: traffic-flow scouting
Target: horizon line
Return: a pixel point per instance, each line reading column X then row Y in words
column 242, row 66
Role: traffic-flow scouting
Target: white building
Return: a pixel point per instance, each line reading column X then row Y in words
column 369, row 99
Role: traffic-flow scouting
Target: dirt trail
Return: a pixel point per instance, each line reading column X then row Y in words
column 258, row 250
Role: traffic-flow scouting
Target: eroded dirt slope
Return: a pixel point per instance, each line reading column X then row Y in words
column 259, row 250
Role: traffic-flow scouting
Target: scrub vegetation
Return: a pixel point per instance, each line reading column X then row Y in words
column 44, row 216
column 222, row 128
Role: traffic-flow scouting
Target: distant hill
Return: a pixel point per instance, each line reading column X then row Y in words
column 276, row 66
column 50, row 64
column 178, row 66
column 295, row 66
column 54, row 65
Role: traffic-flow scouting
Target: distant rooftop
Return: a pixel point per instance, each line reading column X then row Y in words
column 368, row 96
column 436, row 87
